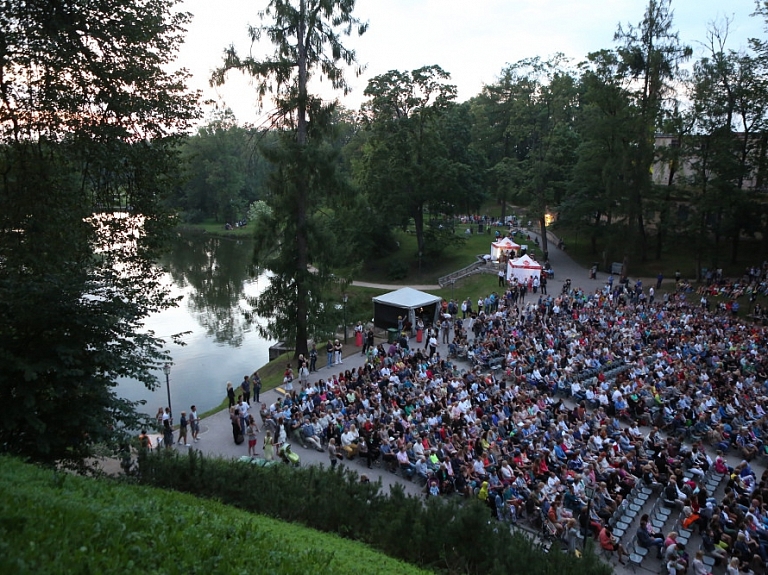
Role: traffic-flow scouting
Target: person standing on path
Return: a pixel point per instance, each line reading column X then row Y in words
column 194, row 422
column 304, row 375
column 231, row 394
column 368, row 341
column 337, row 349
column 543, row 283
column 243, row 412
column 159, row 419
column 167, row 428
column 268, row 447
column 183, row 430
column 329, row 351
column 312, row 359
column 256, row 386
column 234, row 419
column 250, row 432
column 246, row 388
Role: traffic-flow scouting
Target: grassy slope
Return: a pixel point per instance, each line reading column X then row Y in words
column 59, row 523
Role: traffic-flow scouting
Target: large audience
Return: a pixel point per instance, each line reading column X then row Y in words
column 552, row 406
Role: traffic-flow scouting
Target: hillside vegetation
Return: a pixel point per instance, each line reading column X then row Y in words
column 52, row 522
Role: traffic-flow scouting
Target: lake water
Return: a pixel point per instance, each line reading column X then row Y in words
column 215, row 277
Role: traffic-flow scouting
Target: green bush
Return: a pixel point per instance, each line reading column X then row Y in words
column 52, row 522
column 448, row 535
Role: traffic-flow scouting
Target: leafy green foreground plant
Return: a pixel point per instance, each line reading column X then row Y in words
column 441, row 534
column 53, row 522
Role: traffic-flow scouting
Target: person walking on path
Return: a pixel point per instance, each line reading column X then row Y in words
column 183, row 430
column 332, row 453
column 194, row 422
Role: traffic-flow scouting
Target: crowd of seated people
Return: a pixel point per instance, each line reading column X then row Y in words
column 579, row 373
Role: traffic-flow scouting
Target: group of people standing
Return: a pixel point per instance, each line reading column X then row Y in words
column 164, row 424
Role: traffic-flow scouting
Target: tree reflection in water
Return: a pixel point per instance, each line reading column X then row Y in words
column 220, row 273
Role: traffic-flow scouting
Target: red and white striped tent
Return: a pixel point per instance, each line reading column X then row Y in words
column 503, row 245
column 523, row 268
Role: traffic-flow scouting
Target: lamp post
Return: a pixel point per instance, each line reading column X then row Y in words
column 589, row 490
column 167, row 372
column 345, row 298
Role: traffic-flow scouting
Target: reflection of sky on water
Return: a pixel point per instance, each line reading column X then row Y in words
column 214, row 279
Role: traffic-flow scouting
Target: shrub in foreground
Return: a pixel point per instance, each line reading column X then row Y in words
column 448, row 535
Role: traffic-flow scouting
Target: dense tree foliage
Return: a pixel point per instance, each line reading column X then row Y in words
column 88, row 121
column 417, row 156
column 530, row 111
column 224, row 172
column 306, row 35
column 627, row 147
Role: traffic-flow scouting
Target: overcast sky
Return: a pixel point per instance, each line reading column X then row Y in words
column 472, row 40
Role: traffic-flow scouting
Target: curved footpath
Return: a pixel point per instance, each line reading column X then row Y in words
column 216, row 430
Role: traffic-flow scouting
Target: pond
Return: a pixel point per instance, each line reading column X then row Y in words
column 214, row 277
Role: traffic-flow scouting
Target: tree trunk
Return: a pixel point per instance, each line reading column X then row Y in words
column 544, row 242
column 593, row 234
column 735, row 245
column 643, row 237
column 302, row 191
column 418, row 224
